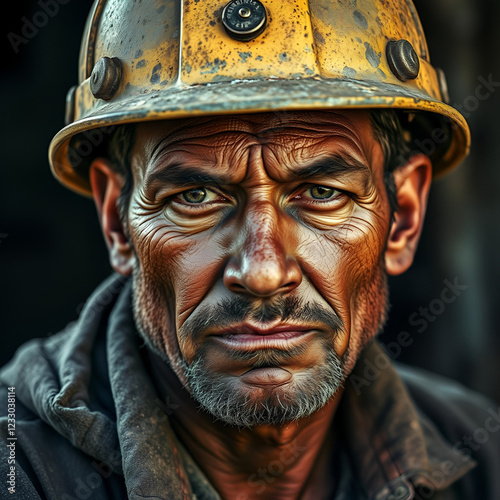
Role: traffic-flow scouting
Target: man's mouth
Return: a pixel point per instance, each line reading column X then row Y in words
column 248, row 338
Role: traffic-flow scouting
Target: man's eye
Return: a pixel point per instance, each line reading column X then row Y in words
column 321, row 192
column 198, row 195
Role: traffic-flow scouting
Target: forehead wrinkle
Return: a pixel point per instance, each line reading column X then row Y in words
column 205, row 141
column 225, row 162
column 254, row 124
column 299, row 134
column 311, row 136
column 306, row 135
column 263, row 126
column 314, row 151
column 304, row 118
column 199, row 128
column 317, row 121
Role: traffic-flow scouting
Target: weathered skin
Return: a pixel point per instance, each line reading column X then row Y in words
column 259, row 233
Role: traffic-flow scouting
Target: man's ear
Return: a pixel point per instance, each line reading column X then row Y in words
column 106, row 188
column 413, row 182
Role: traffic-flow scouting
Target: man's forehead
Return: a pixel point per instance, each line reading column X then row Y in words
column 259, row 124
column 301, row 135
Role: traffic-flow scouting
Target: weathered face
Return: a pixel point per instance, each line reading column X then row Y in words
column 259, row 244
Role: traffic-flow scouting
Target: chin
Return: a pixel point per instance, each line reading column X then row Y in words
column 228, row 399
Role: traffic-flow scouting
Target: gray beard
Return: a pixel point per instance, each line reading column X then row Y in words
column 217, row 394
column 302, row 397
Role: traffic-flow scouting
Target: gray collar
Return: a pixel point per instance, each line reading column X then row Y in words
column 393, row 448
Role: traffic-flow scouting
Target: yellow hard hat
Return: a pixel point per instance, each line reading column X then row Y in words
column 170, row 59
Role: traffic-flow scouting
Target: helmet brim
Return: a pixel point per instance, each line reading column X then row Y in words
column 247, row 96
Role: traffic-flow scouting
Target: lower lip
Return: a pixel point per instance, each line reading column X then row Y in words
column 266, row 376
column 248, row 341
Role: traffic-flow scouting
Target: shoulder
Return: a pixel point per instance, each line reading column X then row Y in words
column 468, row 420
column 42, row 464
column 450, row 402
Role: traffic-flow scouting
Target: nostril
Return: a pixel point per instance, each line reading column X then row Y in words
column 237, row 286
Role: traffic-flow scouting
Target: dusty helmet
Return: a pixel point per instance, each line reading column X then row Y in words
column 169, row 59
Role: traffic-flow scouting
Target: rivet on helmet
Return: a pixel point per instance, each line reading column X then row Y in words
column 105, row 78
column 244, row 20
column 403, row 60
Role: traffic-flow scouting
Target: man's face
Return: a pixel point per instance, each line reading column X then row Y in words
column 260, row 242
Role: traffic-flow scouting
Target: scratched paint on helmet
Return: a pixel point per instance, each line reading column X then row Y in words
column 351, row 38
column 283, row 50
column 145, row 40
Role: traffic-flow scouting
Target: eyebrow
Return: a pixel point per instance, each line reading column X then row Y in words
column 181, row 175
column 330, row 167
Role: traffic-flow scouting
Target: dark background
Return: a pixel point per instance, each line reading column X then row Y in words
column 52, row 254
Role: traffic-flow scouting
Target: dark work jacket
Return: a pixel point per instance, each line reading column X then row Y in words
column 89, row 423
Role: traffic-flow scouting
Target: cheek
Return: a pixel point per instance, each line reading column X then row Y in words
column 158, row 247
column 157, row 250
column 344, row 264
column 197, row 272
column 183, row 263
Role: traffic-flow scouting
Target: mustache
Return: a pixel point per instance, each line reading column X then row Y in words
column 238, row 309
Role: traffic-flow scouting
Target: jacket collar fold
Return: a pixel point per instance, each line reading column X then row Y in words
column 152, row 464
column 394, row 448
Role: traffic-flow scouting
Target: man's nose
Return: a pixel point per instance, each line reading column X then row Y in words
column 263, row 265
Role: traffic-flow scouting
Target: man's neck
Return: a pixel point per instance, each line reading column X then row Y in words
column 272, row 462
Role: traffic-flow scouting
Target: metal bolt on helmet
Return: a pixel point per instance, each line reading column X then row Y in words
column 244, row 20
column 172, row 59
